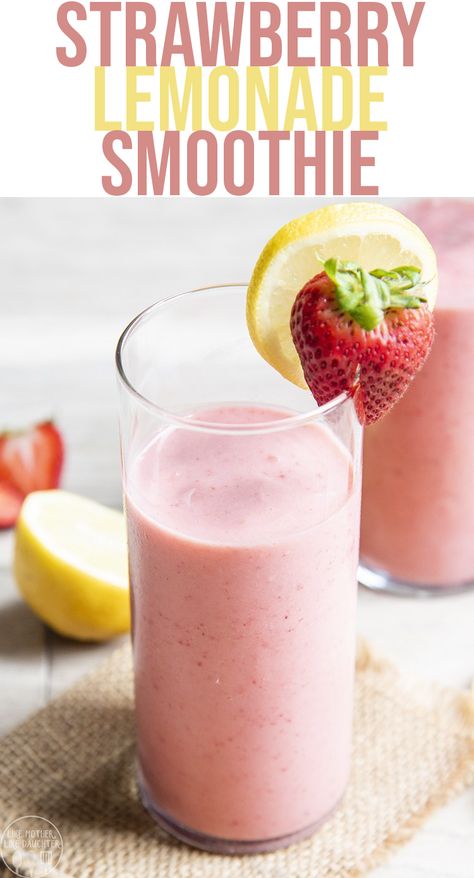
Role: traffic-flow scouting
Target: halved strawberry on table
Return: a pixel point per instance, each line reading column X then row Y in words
column 10, row 505
column 364, row 332
column 30, row 460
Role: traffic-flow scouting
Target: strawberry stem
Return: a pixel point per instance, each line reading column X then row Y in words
column 365, row 295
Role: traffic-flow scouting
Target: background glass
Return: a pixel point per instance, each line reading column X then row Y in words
column 418, row 492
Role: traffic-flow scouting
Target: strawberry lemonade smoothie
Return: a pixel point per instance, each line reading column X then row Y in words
column 418, row 495
column 242, row 496
column 243, row 554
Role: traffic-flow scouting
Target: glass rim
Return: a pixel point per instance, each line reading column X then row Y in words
column 293, row 420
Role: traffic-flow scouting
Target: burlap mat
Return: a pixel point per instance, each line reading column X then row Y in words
column 73, row 763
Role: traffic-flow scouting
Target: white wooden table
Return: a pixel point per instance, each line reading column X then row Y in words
column 72, row 273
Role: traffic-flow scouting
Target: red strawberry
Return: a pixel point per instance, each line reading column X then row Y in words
column 30, row 460
column 365, row 332
column 10, row 505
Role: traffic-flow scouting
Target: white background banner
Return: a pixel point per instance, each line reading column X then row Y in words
column 49, row 144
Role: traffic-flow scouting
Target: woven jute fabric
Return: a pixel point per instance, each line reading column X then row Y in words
column 73, row 763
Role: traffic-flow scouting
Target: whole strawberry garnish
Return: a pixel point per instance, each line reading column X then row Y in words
column 366, row 332
column 30, row 460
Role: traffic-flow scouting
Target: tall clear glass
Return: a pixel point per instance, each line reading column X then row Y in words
column 242, row 501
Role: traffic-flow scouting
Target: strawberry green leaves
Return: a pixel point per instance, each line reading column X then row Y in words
column 366, row 296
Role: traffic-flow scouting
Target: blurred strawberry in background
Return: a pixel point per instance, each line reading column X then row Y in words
column 30, row 460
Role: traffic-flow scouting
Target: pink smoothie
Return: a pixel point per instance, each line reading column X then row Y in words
column 243, row 553
column 418, row 489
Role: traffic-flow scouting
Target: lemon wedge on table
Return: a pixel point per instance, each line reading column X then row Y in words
column 371, row 234
column 70, row 564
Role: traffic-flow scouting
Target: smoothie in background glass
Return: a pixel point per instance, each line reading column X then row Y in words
column 242, row 503
column 418, row 487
